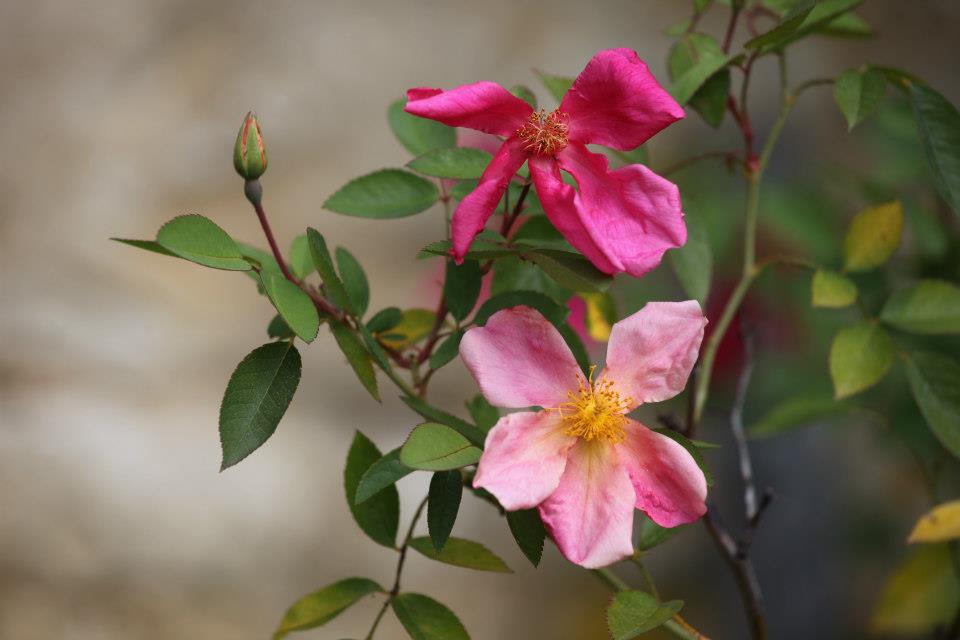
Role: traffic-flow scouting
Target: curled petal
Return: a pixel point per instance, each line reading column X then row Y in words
column 476, row 208
column 670, row 487
column 484, row 106
column 519, row 359
column 616, row 101
column 525, row 455
column 650, row 354
column 590, row 515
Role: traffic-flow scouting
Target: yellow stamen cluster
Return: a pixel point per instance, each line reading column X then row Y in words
column 595, row 411
column 544, row 134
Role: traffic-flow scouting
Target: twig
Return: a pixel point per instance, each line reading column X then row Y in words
column 739, row 433
column 731, row 26
column 686, row 162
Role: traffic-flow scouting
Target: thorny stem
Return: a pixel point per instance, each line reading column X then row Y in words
column 395, row 590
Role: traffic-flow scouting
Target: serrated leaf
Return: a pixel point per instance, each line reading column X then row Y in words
column 419, row 135
column 556, row 85
column 324, row 266
column 301, row 262
column 433, row 414
column 426, row 619
column 939, row 123
column 528, row 531
column 927, row 307
column 279, row 329
column 443, row 504
column 462, row 553
column 384, row 194
column 484, row 414
column 832, row 290
column 940, row 524
column 437, row 447
column 354, row 281
column 147, row 245
column 935, row 383
column 693, row 262
column 570, row 270
column 197, row 239
column 873, row 237
column 860, row 356
column 461, row 287
column 322, row 606
column 634, row 612
column 652, row 534
column 383, row 473
column 479, row 250
column 447, row 350
column 414, row 325
column 858, row 94
column 379, row 515
column 556, row 314
column 921, row 594
column 257, row 396
column 357, row 356
column 293, row 304
column 458, row 163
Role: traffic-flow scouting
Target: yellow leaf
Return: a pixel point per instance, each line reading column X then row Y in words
column 921, row 594
column 600, row 315
column 942, row 523
column 873, row 236
column 414, row 326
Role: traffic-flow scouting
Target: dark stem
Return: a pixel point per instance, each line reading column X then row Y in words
column 508, row 220
column 731, row 27
column 254, row 193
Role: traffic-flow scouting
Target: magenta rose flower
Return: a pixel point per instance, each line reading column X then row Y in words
column 621, row 220
column 580, row 460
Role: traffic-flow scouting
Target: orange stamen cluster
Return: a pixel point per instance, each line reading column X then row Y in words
column 544, row 134
column 595, row 411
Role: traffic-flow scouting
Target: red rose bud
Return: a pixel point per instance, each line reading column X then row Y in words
column 249, row 154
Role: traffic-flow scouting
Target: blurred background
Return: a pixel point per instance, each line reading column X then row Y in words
column 114, row 520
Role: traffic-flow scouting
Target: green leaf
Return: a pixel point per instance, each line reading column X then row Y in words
column 556, row 314
column 357, row 355
column 462, row 427
column 419, row 135
column 436, row 447
column 571, row 270
column 927, row 307
column 354, row 281
column 484, row 414
column 459, row 163
column 847, row 25
column 479, row 250
column 376, row 351
column 693, row 60
column 320, row 607
column 860, row 356
column 556, row 85
column 197, row 239
column 692, row 449
column 279, row 329
column 795, row 412
column 814, row 16
column 634, row 612
column 447, row 350
column 146, row 245
column 324, row 265
column 693, row 263
column 858, row 94
column 788, row 25
column 462, row 553
column 301, row 262
column 385, row 319
column 652, row 534
column 873, row 237
column 514, row 274
column 257, row 396
column 710, row 101
column 293, row 305
column 381, row 474
column 921, row 595
column 388, row 193
column 528, row 531
column 443, row 503
column 832, row 290
column 935, row 383
column 426, row 619
column 525, row 94
column 939, row 124
column 379, row 515
column 461, row 287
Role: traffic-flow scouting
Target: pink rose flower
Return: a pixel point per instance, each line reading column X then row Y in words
column 621, row 220
column 581, row 460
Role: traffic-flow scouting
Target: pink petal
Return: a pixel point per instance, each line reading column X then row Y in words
column 519, row 359
column 476, row 208
column 590, row 515
column 484, row 106
column 616, row 101
column 650, row 354
column 621, row 220
column 669, row 485
column 523, row 459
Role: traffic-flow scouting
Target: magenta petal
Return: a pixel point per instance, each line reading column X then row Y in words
column 650, row 354
column 523, row 458
column 669, row 485
column 590, row 515
column 476, row 208
column 484, row 106
column 519, row 359
column 616, row 101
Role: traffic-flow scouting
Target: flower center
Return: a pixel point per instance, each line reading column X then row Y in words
column 544, row 133
column 595, row 410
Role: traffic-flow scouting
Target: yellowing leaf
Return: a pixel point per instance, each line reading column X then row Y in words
column 873, row 237
column 940, row 524
column 921, row 594
column 832, row 290
column 415, row 325
column 601, row 315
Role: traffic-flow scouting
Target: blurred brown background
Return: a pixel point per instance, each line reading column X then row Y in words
column 114, row 522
